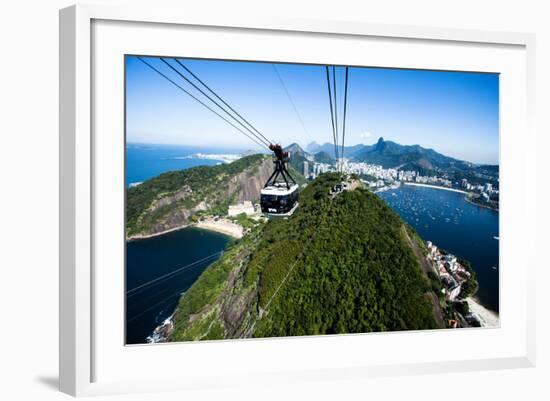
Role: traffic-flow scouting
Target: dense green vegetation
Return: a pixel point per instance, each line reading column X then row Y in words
column 471, row 286
column 298, row 177
column 244, row 221
column 368, row 177
column 189, row 188
column 203, row 298
column 338, row 265
column 352, row 269
column 462, row 308
column 324, row 157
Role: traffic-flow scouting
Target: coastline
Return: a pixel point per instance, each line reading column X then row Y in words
column 470, row 201
column 416, row 184
column 221, row 226
column 146, row 236
column 486, row 317
column 466, row 194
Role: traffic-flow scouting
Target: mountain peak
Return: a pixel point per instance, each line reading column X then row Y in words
column 295, row 148
column 380, row 144
column 313, row 147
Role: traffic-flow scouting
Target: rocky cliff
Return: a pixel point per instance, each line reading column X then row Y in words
column 172, row 199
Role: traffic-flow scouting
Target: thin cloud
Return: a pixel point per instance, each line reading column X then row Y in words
column 365, row 135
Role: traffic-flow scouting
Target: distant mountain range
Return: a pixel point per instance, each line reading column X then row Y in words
column 349, row 151
column 299, row 156
column 390, row 154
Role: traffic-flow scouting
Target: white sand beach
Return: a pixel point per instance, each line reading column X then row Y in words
column 223, row 226
column 486, row 317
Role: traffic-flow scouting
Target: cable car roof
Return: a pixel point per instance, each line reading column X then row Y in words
column 279, row 189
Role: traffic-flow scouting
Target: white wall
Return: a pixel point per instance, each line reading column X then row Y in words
column 28, row 194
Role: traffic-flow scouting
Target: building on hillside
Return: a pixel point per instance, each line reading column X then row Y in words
column 454, row 292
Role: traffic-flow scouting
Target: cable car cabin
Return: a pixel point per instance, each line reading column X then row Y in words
column 279, row 196
column 277, row 199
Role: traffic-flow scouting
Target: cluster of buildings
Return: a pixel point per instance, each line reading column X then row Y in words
column 432, row 180
column 382, row 175
column 452, row 274
column 485, row 191
column 390, row 176
column 312, row 169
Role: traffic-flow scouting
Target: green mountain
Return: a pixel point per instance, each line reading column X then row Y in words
column 349, row 151
column 297, row 156
column 173, row 199
column 342, row 264
column 323, row 157
column 389, row 154
column 425, row 161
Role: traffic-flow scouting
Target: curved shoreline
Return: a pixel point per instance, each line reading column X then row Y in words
column 222, row 226
column 467, row 195
column 470, row 201
column 225, row 227
column 486, row 317
column 147, row 236
column 416, row 184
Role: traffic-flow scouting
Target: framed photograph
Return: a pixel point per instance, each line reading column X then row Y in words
column 279, row 200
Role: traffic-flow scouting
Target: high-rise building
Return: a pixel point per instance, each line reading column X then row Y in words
column 306, row 169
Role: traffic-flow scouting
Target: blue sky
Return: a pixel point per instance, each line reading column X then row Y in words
column 454, row 113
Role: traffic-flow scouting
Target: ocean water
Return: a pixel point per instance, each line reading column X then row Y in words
column 451, row 223
column 145, row 161
column 159, row 270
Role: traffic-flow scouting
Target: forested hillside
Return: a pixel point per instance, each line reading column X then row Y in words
column 339, row 265
column 172, row 198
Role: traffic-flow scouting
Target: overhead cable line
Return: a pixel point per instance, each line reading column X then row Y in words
column 168, row 275
column 335, row 106
column 222, row 100
column 261, row 144
column 290, row 98
column 345, row 109
column 143, row 312
column 261, row 139
column 334, row 139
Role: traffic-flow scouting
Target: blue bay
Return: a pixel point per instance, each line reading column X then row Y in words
column 451, row 223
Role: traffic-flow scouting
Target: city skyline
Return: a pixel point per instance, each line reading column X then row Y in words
column 454, row 113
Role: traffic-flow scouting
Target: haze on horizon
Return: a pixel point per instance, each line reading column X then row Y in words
column 454, row 113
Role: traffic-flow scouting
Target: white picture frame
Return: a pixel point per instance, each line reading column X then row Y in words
column 81, row 345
